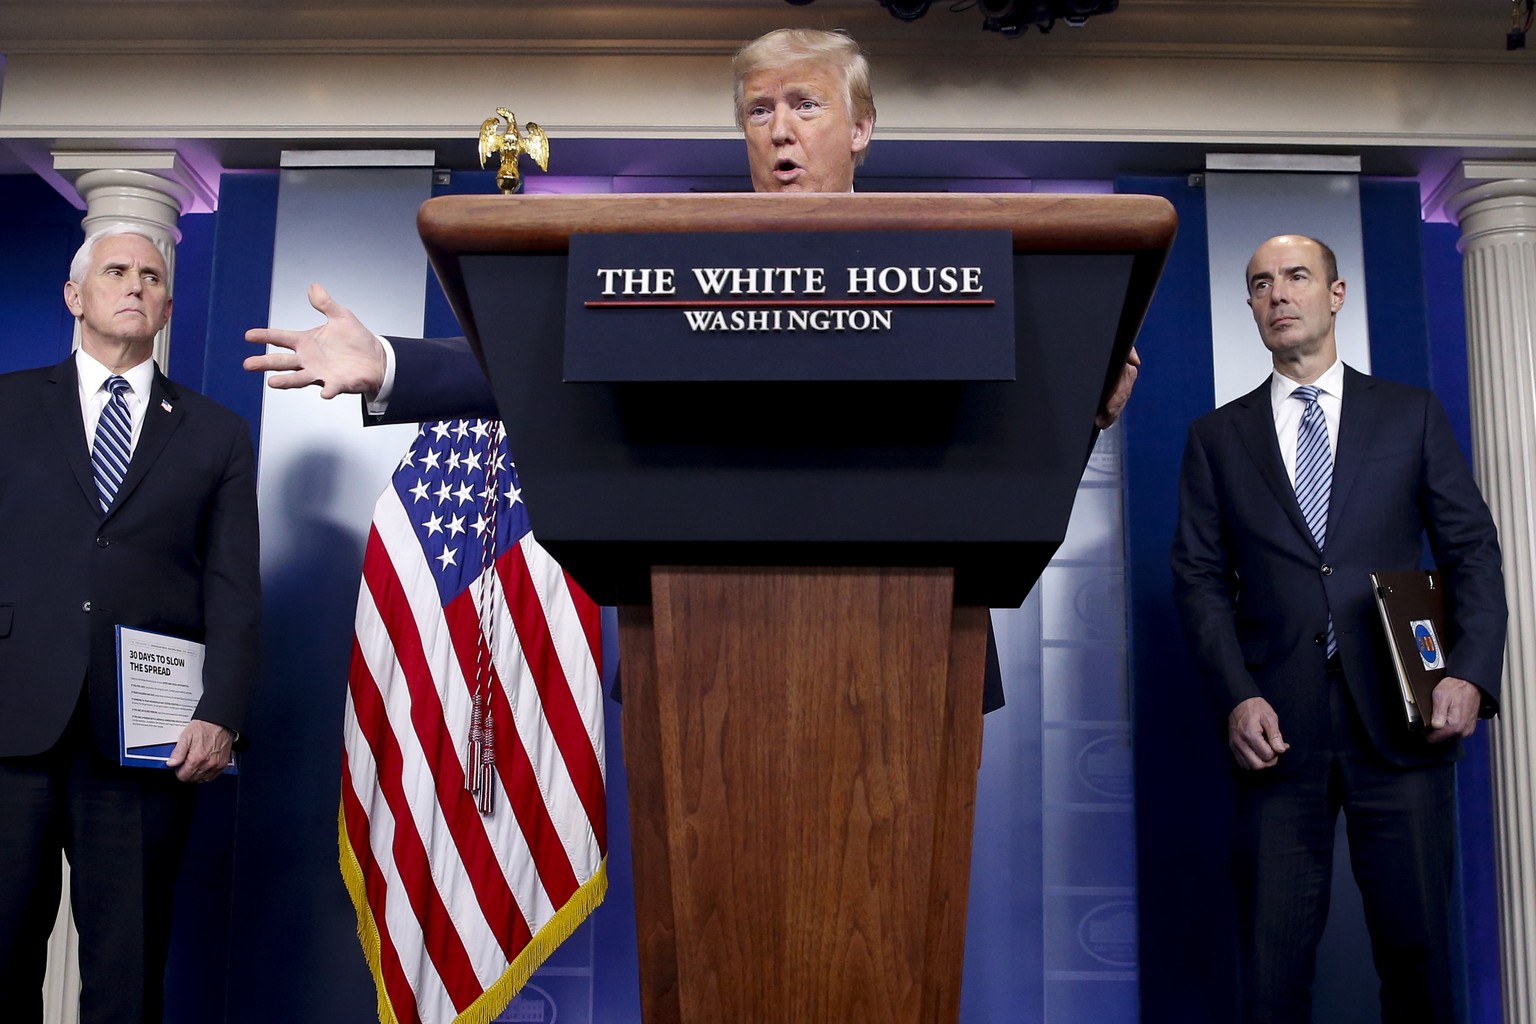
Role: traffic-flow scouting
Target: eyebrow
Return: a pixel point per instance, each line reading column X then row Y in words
column 1265, row 275
column 791, row 91
column 146, row 268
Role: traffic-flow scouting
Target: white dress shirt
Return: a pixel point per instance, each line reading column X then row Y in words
column 93, row 397
column 1288, row 412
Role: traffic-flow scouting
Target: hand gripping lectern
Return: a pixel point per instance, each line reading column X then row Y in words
column 802, row 560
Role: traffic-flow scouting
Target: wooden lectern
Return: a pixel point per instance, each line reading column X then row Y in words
column 803, row 571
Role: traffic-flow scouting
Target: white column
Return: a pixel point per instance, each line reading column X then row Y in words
column 1495, row 204
column 117, row 189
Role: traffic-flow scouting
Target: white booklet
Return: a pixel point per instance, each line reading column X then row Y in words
column 159, row 682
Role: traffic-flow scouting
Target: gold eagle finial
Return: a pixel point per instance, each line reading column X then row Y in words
column 500, row 134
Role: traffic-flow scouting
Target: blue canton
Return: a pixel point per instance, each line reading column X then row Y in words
column 456, row 482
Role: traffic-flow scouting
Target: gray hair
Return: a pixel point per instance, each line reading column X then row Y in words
column 82, row 261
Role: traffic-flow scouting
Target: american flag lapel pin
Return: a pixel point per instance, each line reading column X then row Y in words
column 166, row 405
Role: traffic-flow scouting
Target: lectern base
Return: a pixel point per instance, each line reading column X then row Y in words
column 802, row 748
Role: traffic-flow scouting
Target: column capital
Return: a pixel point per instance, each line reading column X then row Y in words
column 115, row 196
column 158, row 170
column 1475, row 181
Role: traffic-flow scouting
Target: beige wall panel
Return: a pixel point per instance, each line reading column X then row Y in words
column 1118, row 96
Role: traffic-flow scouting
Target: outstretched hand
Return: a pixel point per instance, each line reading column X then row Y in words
column 1114, row 405
column 341, row 356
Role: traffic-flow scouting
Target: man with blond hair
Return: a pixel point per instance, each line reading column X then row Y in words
column 804, row 104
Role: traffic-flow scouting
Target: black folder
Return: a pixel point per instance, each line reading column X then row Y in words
column 1412, row 607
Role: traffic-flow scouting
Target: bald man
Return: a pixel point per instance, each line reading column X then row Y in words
column 1289, row 498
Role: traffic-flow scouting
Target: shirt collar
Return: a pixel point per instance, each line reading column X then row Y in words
column 93, row 374
column 1331, row 383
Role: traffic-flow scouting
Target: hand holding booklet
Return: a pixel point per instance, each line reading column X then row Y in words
column 1412, row 607
column 159, row 682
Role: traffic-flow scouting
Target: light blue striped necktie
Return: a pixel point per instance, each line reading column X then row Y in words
column 1314, row 474
column 109, row 455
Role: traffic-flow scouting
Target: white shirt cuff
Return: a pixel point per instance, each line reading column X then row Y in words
column 380, row 402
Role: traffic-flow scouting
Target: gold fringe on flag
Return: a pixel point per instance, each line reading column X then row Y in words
column 501, row 993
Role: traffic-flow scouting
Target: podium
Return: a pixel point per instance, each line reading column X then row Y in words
column 803, row 570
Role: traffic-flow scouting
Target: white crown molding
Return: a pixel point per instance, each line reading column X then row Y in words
column 252, row 78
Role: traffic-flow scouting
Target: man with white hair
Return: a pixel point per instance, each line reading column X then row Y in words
column 128, row 500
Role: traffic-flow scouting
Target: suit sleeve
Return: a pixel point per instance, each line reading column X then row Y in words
column 1465, row 544
column 231, row 589
column 436, row 379
column 1205, row 582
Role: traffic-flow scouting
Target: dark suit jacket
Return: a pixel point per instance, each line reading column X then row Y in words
column 1255, row 592
column 436, row 379
column 176, row 554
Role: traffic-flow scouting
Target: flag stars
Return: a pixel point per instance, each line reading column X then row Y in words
column 456, row 480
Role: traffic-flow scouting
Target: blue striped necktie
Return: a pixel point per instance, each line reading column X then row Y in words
column 109, row 455
column 1314, row 474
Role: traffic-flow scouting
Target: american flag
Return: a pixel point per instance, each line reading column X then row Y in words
column 466, row 626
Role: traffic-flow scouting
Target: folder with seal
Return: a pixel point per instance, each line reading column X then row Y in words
column 1412, row 607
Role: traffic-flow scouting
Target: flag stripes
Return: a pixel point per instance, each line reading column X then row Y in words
column 456, row 820
column 547, row 865
column 536, row 617
column 397, row 1003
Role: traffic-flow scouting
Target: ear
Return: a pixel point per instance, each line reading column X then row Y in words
column 1336, row 295
column 862, row 130
column 166, row 318
column 72, row 299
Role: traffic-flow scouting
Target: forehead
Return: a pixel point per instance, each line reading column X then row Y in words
column 127, row 250
column 1285, row 253
column 803, row 78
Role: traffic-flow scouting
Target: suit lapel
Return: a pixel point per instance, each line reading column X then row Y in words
column 1255, row 425
column 61, row 399
column 161, row 418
